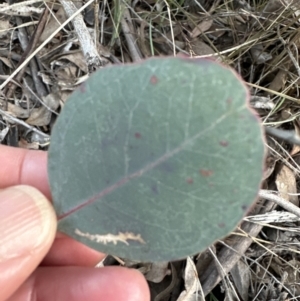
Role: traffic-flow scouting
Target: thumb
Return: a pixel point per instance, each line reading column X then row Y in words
column 27, row 230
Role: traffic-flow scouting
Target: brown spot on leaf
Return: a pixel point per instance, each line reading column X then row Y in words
column 190, row 180
column 153, row 80
column 224, row 143
column 229, row 101
column 221, row 225
column 206, row 172
column 137, row 135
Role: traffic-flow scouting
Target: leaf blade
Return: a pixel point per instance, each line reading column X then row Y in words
column 153, row 159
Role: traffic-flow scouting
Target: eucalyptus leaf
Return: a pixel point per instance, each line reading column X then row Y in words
column 155, row 161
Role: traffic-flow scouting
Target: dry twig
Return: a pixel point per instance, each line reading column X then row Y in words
column 288, row 136
column 268, row 195
column 89, row 48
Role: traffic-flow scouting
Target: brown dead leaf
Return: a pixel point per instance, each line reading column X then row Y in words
column 204, row 259
column 259, row 55
column 198, row 47
column 27, row 145
column 41, row 116
column 17, row 111
column 286, row 185
column 141, row 40
column 296, row 148
column 47, row 78
column 66, row 74
column 4, row 27
column 64, row 95
column 269, row 167
column 162, row 40
column 280, row 79
column 77, row 58
column 273, row 8
column 166, row 287
column 293, row 278
column 6, row 61
column 201, row 28
column 288, row 271
column 241, row 276
column 216, row 31
column 54, row 22
column 158, row 271
column 191, row 283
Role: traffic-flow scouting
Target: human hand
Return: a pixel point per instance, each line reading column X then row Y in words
column 35, row 262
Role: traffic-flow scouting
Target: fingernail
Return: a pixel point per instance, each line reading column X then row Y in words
column 27, row 221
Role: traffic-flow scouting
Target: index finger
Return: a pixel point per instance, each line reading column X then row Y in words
column 22, row 166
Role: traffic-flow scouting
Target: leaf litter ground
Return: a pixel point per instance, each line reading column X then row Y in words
column 259, row 39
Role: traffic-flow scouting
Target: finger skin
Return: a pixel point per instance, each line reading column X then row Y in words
column 29, row 167
column 21, row 166
column 79, row 283
column 27, row 229
column 67, row 251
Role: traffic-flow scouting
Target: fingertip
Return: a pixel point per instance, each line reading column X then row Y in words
column 27, row 227
column 142, row 292
column 130, row 281
column 82, row 283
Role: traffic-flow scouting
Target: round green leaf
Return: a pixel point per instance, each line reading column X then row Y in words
column 155, row 161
